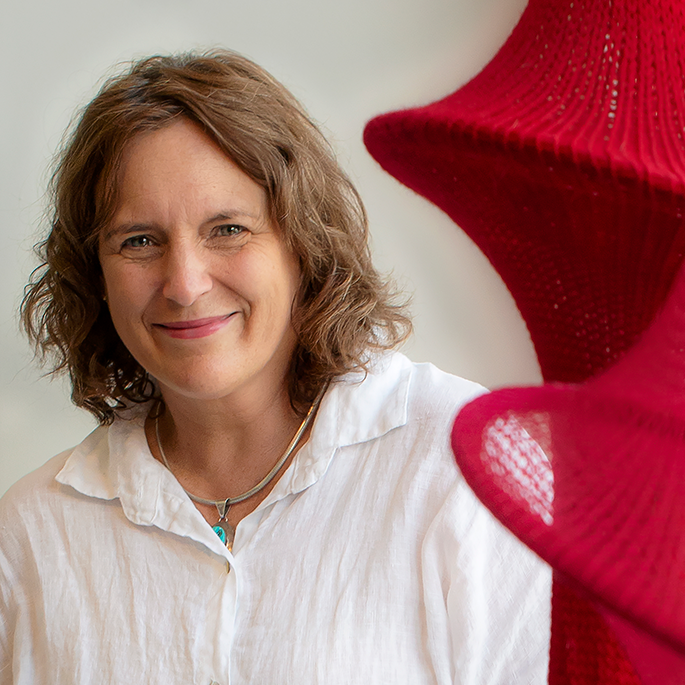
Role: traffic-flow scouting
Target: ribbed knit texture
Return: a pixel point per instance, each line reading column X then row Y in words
column 591, row 477
column 564, row 160
column 582, row 650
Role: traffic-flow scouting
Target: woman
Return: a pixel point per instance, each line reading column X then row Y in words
column 270, row 496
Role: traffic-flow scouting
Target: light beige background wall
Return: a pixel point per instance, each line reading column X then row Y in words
column 347, row 61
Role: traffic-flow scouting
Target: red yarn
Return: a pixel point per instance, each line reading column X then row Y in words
column 582, row 650
column 564, row 160
column 591, row 478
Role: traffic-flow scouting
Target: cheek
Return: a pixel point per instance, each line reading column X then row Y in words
column 122, row 317
column 290, row 275
column 286, row 289
column 111, row 276
column 272, row 280
column 125, row 295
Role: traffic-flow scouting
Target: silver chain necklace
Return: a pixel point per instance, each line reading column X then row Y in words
column 222, row 527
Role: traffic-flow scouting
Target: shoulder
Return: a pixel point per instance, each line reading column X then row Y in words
column 427, row 382
column 33, row 501
column 433, row 390
column 393, row 394
column 433, row 396
column 36, row 500
column 400, row 418
column 33, row 488
column 41, row 522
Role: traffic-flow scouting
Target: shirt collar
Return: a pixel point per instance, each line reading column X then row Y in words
column 358, row 407
column 366, row 405
column 116, row 462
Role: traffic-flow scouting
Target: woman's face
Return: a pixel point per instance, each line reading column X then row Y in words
column 199, row 282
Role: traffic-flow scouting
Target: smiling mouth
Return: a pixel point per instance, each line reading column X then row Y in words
column 197, row 328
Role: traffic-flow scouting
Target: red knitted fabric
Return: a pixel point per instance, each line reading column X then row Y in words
column 582, row 650
column 564, row 160
column 591, row 478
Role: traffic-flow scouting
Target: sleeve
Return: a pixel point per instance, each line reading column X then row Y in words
column 19, row 595
column 7, row 606
column 5, row 638
column 487, row 598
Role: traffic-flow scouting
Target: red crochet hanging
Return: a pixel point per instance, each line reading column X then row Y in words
column 564, row 160
column 591, row 476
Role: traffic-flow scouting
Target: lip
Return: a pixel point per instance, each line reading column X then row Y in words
column 197, row 328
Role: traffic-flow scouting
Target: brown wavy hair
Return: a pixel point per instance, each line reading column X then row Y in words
column 345, row 308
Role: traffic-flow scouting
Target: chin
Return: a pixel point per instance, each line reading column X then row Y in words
column 204, row 387
column 208, row 377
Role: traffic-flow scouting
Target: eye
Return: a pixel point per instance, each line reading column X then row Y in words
column 137, row 242
column 229, row 230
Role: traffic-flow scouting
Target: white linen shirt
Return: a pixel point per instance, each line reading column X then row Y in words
column 370, row 562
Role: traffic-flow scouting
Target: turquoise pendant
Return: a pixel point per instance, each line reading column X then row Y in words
column 220, row 532
column 226, row 533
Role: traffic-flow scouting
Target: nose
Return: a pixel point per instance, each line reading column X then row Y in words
column 187, row 275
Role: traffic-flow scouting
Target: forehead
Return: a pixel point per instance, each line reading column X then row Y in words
column 180, row 168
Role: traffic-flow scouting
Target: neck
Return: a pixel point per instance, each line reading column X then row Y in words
column 221, row 448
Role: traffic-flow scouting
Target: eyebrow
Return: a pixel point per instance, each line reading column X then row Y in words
column 128, row 228
column 231, row 215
